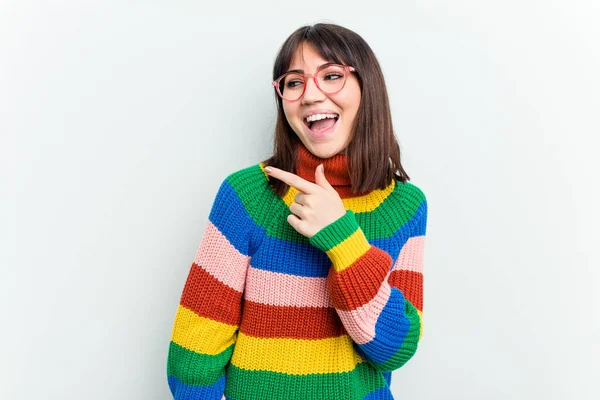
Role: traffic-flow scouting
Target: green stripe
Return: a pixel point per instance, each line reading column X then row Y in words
column 258, row 385
column 336, row 232
column 265, row 208
column 196, row 369
column 396, row 210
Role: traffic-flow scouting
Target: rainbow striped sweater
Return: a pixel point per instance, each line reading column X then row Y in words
column 268, row 314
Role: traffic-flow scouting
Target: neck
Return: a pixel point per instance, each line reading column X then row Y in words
column 335, row 168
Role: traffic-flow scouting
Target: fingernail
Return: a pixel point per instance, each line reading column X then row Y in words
column 268, row 170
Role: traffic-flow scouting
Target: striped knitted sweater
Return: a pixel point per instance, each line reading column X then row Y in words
column 268, row 314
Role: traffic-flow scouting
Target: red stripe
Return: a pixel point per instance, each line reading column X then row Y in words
column 411, row 284
column 360, row 282
column 209, row 297
column 264, row 320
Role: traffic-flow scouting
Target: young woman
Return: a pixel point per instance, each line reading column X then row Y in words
column 308, row 282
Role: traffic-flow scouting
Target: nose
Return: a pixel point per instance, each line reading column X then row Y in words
column 312, row 93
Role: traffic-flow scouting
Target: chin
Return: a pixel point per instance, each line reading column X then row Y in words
column 324, row 150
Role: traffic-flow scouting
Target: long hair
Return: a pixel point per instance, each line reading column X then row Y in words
column 373, row 150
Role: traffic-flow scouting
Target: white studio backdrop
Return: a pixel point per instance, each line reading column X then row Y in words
column 119, row 120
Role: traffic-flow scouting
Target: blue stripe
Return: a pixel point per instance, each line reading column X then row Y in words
column 418, row 222
column 304, row 259
column 391, row 329
column 388, row 377
column 383, row 393
column 181, row 391
column 230, row 217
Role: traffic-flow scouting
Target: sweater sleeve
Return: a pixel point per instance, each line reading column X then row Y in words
column 209, row 312
column 379, row 301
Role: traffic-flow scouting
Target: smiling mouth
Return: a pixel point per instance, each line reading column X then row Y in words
column 321, row 125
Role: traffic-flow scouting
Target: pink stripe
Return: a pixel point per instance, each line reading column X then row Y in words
column 411, row 255
column 221, row 259
column 360, row 323
column 275, row 288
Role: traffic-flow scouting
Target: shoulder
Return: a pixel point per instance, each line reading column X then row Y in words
column 413, row 203
column 403, row 210
column 410, row 194
column 247, row 179
column 247, row 183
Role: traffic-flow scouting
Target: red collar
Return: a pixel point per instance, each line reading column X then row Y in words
column 336, row 170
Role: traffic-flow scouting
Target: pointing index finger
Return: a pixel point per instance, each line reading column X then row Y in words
column 293, row 180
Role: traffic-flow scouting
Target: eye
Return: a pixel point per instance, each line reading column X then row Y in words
column 333, row 76
column 294, row 83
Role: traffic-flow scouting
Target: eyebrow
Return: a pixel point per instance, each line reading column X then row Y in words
column 301, row 71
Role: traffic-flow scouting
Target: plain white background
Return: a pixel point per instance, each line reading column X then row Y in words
column 120, row 119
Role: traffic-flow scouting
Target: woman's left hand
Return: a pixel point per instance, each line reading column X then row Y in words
column 315, row 206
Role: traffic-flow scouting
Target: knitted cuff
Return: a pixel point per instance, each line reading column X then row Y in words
column 343, row 240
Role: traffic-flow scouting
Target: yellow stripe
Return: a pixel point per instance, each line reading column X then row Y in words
column 364, row 203
column 348, row 251
column 200, row 334
column 262, row 167
column 369, row 201
column 322, row 356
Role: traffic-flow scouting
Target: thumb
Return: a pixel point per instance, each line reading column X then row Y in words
column 320, row 177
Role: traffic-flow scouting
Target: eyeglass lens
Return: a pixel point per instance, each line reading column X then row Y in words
column 331, row 79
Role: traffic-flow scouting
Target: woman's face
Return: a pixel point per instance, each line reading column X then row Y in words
column 344, row 103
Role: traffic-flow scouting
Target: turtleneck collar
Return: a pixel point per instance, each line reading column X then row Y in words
column 335, row 168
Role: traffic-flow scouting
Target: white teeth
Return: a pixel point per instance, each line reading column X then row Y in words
column 317, row 117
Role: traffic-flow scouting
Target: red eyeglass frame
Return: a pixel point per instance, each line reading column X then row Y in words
column 346, row 68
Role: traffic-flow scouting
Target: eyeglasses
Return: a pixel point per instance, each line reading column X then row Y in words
column 329, row 78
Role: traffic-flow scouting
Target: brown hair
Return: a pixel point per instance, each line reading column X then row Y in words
column 373, row 150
